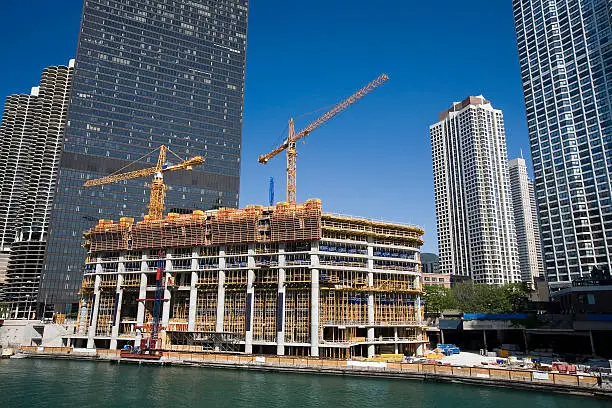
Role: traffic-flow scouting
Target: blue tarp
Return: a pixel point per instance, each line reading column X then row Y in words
column 494, row 316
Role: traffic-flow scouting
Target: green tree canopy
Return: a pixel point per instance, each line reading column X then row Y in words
column 477, row 298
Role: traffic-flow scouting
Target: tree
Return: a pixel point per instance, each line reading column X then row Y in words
column 517, row 295
column 438, row 298
column 481, row 298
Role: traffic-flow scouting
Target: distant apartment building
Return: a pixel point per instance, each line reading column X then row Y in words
column 566, row 64
column 430, row 262
column 526, row 221
column 430, row 266
column 16, row 136
column 32, row 133
column 475, row 221
column 436, row 279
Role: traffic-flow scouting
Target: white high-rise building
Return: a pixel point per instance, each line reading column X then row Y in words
column 476, row 233
column 16, row 133
column 32, row 130
column 526, row 221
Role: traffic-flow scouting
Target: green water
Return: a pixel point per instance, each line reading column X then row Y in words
column 53, row 383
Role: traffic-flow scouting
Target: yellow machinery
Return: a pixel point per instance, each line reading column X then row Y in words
column 292, row 138
column 156, row 205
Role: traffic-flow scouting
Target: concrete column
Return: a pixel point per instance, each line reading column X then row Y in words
column 370, row 332
column 193, row 292
column 420, row 350
column 314, row 300
column 442, row 336
column 484, row 338
column 396, row 340
column 119, row 291
column 221, row 290
column 248, row 346
column 165, row 316
column 142, row 294
column 94, row 313
column 280, row 309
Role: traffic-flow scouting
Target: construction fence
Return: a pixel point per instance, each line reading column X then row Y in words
column 508, row 376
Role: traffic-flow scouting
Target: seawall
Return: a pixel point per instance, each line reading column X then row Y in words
column 586, row 385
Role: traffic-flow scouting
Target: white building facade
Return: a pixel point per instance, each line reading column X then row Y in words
column 475, row 221
column 526, row 221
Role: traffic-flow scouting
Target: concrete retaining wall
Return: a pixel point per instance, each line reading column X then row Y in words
column 547, row 381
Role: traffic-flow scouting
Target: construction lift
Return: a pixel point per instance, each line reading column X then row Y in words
column 148, row 348
column 290, row 144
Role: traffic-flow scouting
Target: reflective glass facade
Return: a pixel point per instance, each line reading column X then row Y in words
column 565, row 51
column 148, row 72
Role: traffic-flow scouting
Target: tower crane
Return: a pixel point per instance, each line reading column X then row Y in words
column 158, row 188
column 290, row 144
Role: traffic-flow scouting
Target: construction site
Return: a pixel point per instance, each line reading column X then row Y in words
column 284, row 279
column 287, row 279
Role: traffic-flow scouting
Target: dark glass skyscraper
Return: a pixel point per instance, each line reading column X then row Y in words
column 148, row 72
column 565, row 51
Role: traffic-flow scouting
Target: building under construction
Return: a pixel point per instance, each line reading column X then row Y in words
column 286, row 279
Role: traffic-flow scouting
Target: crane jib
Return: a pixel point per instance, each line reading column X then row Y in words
column 289, row 144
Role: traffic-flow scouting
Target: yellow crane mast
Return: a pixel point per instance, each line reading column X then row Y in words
column 158, row 188
column 290, row 144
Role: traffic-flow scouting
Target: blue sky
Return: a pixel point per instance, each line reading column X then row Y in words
column 374, row 159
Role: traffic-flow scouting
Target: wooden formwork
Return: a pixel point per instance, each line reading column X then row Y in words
column 298, row 276
column 131, row 280
column 108, row 236
column 234, row 320
column 394, row 282
column 235, row 226
column 105, row 322
column 264, row 315
column 208, row 278
column 179, row 308
column 174, row 232
column 185, row 232
column 382, row 230
column 297, row 316
column 296, row 222
column 237, row 277
column 393, row 308
column 87, row 285
column 108, row 281
column 266, row 277
column 148, row 235
column 355, row 280
column 206, row 311
column 343, row 307
column 266, row 248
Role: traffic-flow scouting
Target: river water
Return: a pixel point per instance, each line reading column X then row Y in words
column 61, row 383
